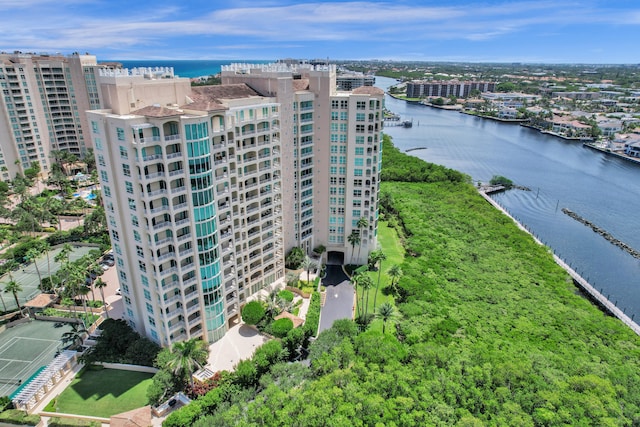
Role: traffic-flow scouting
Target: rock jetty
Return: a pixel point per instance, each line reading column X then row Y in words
column 604, row 233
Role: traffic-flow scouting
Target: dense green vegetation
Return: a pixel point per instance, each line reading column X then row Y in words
column 491, row 332
column 118, row 343
column 397, row 166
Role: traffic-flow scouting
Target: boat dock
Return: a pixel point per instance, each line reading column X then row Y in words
column 578, row 280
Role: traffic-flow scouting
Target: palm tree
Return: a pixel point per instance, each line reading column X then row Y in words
column 308, row 263
column 14, row 287
column 378, row 257
column 362, row 223
column 63, row 258
column 75, row 336
column 83, row 291
column 365, row 283
column 186, row 356
column 100, row 284
column 396, row 273
column 385, row 312
column 353, row 239
column 4, row 306
column 32, row 255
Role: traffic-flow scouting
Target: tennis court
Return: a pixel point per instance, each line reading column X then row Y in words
column 28, row 279
column 25, row 348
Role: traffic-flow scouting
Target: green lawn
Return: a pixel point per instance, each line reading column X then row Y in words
column 104, row 392
column 392, row 248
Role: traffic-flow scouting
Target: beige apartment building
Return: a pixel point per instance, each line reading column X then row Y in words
column 332, row 148
column 207, row 188
column 44, row 98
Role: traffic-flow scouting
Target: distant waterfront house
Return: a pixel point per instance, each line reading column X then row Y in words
column 510, row 100
column 576, row 95
column 609, row 127
column 569, row 126
column 632, row 149
column 508, row 113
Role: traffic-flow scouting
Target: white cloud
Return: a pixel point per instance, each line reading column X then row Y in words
column 72, row 24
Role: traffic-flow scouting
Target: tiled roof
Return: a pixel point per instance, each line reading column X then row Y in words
column 302, row 84
column 209, row 98
column 157, row 111
column 368, row 90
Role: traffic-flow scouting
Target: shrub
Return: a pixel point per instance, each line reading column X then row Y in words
column 5, row 403
column 15, row 416
column 501, row 180
column 320, row 249
column 313, row 316
column 294, row 258
column 252, row 312
column 281, row 327
column 286, row 295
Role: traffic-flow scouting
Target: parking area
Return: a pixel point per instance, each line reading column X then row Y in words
column 340, row 297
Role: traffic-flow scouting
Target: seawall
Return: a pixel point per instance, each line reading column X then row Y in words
column 593, row 294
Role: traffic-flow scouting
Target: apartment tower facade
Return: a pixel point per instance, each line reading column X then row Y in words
column 44, row 98
column 207, row 188
column 191, row 180
column 332, row 146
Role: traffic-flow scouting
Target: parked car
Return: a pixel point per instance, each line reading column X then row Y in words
column 109, row 262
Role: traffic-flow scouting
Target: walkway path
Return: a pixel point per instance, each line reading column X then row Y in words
column 239, row 343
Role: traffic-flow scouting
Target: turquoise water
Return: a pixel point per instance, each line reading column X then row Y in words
column 188, row 68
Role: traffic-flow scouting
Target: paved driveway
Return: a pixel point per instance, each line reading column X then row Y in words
column 340, row 297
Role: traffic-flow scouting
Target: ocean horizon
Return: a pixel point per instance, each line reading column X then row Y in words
column 187, row 67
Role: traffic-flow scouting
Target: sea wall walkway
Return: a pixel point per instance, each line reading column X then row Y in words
column 585, row 286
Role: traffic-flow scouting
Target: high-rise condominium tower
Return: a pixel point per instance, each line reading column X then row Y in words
column 331, row 149
column 206, row 188
column 44, row 99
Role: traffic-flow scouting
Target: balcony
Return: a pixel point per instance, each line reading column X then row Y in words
column 166, row 256
column 167, row 302
column 172, row 137
column 184, row 237
column 174, row 155
column 176, row 326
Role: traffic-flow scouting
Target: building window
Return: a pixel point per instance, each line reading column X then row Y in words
column 136, row 236
column 358, row 161
column 106, row 190
column 94, row 127
column 132, row 203
column 357, row 172
column 115, row 235
column 134, row 221
column 104, row 176
column 147, row 294
column 356, row 213
column 123, row 153
column 126, row 170
column 129, row 187
column 139, row 251
column 149, row 307
column 120, row 133
column 142, row 266
column 360, row 151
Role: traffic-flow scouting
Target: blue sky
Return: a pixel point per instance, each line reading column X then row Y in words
column 586, row 31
